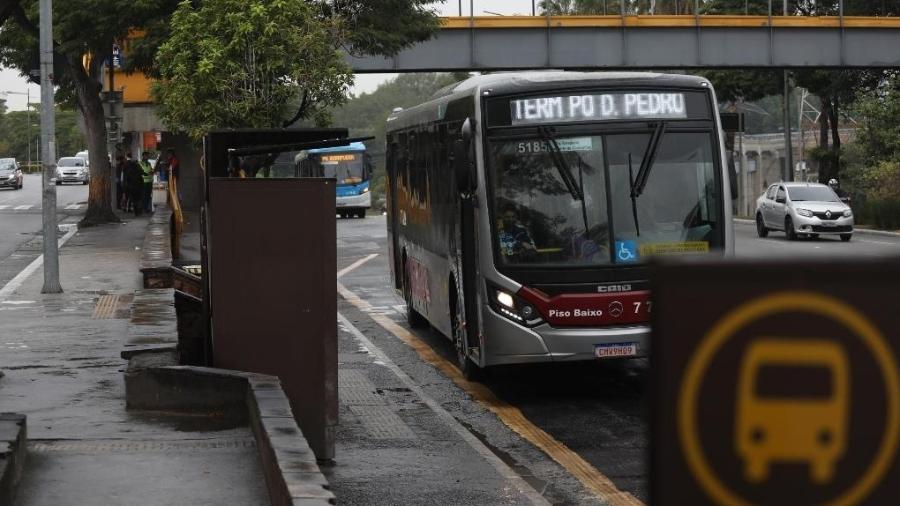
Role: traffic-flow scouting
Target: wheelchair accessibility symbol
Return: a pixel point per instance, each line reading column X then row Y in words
column 626, row 251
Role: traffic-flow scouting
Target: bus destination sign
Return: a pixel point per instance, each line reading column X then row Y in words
column 338, row 158
column 606, row 107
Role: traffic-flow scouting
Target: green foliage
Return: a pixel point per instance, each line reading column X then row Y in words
column 881, row 213
column 878, row 135
column 384, row 27
column 15, row 134
column 238, row 63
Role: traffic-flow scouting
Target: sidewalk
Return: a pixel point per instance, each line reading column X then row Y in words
column 60, row 354
column 394, row 443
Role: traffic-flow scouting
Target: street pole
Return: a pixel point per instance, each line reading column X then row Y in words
column 788, row 147
column 48, row 151
column 28, row 119
column 110, row 141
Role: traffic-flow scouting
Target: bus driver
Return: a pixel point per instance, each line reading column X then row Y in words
column 515, row 240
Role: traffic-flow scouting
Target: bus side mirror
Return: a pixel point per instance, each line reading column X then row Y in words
column 732, row 179
column 462, row 160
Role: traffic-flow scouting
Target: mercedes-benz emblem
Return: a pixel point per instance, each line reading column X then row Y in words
column 828, row 214
column 616, row 309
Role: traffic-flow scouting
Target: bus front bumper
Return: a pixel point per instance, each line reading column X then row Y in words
column 363, row 201
column 506, row 342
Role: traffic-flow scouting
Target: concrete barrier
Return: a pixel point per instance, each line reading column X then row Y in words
column 13, row 436
column 292, row 474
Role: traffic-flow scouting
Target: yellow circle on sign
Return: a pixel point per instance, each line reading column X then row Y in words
column 750, row 312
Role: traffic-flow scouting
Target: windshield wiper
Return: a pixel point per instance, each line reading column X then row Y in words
column 640, row 181
column 637, row 226
column 565, row 173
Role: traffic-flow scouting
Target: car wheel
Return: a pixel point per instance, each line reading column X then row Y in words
column 761, row 229
column 413, row 318
column 846, row 237
column 789, row 231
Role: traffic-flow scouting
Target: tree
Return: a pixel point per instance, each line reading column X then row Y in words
column 16, row 137
column 271, row 62
column 238, row 63
column 83, row 32
column 384, row 27
column 835, row 88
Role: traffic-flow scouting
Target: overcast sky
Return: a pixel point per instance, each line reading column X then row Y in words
column 365, row 83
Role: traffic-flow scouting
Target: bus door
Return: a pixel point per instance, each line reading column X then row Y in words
column 468, row 236
column 390, row 198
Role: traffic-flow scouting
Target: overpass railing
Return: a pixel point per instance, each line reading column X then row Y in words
column 534, row 8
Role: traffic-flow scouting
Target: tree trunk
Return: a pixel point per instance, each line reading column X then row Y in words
column 835, row 138
column 824, row 165
column 99, row 202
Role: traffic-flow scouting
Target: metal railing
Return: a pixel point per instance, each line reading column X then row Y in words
column 835, row 8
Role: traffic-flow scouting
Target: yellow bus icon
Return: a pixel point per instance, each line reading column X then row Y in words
column 792, row 406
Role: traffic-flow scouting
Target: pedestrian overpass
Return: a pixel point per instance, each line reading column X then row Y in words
column 648, row 42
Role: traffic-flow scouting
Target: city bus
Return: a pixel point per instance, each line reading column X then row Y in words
column 351, row 165
column 522, row 208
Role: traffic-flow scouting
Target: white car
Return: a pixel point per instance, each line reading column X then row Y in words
column 809, row 209
column 72, row 169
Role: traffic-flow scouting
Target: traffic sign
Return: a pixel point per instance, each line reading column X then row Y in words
column 775, row 383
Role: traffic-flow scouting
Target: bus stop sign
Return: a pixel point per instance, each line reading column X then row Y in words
column 775, row 383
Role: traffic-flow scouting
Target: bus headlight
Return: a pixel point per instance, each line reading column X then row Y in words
column 365, row 190
column 514, row 308
column 506, row 299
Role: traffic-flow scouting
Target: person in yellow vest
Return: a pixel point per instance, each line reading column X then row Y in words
column 147, row 173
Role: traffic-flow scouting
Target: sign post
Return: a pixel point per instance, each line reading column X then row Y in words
column 775, row 384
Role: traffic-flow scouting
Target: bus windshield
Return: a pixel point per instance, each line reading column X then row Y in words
column 540, row 220
column 347, row 167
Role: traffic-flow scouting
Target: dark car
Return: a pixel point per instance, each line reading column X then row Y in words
column 10, row 174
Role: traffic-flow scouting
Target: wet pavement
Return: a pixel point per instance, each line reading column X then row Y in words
column 61, row 359
column 358, row 239
column 599, row 411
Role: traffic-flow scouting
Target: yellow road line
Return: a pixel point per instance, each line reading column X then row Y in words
column 511, row 416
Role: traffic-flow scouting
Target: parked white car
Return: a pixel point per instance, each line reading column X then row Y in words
column 808, row 209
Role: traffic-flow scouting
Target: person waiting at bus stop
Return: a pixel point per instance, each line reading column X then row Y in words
column 516, row 243
column 134, row 184
column 146, row 201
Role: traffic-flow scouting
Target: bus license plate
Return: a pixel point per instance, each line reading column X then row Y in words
column 615, row 350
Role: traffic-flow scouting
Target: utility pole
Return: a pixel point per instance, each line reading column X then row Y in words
column 110, row 140
column 788, row 147
column 48, row 151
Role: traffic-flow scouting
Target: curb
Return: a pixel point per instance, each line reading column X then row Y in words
column 13, row 435
column 856, row 230
column 156, row 251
